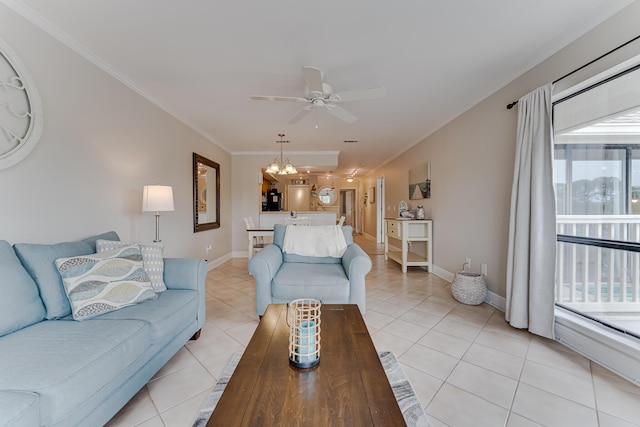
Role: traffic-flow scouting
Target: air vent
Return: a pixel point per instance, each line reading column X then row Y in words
column 350, row 141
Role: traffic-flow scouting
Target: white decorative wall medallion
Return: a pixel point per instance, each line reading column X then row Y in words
column 20, row 109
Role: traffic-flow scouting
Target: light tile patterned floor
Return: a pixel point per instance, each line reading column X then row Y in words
column 467, row 366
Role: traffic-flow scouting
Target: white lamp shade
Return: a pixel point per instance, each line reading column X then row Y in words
column 157, row 198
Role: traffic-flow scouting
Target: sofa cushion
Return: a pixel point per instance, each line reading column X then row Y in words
column 19, row 408
column 326, row 282
column 67, row 362
column 109, row 235
column 279, row 231
column 152, row 260
column 20, row 303
column 39, row 261
column 167, row 315
column 106, row 281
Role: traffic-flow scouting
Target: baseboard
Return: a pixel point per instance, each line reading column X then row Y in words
column 496, row 301
column 219, row 261
column 442, row 273
column 240, row 254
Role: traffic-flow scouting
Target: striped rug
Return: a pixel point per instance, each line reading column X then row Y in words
column 409, row 404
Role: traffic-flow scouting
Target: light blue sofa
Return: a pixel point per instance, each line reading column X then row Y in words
column 55, row 371
column 282, row 277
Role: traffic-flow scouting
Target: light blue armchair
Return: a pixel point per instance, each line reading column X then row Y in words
column 282, row 277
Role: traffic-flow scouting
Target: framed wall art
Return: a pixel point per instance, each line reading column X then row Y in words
column 420, row 182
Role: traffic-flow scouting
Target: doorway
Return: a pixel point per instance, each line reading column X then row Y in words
column 380, row 210
column 348, row 207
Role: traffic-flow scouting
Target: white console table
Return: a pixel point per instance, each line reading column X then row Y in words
column 408, row 232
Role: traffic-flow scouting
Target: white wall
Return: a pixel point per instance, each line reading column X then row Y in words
column 101, row 143
column 472, row 161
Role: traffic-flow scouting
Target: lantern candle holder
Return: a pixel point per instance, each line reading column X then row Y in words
column 303, row 318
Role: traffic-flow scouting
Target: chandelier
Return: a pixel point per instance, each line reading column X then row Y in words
column 281, row 166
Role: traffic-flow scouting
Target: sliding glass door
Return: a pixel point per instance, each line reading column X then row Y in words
column 597, row 184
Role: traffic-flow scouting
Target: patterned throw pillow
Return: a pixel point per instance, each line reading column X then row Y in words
column 98, row 283
column 152, row 259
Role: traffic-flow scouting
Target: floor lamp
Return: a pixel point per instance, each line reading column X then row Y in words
column 157, row 198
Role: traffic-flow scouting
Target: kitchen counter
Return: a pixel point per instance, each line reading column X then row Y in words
column 268, row 219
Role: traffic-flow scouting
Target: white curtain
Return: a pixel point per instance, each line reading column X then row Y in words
column 532, row 228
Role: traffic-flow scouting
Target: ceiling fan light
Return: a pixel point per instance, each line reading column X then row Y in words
column 349, row 179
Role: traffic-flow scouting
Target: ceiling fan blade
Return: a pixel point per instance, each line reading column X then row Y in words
column 340, row 113
column 279, row 98
column 355, row 95
column 313, row 77
column 300, row 114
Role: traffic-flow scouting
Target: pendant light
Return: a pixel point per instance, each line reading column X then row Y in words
column 281, row 166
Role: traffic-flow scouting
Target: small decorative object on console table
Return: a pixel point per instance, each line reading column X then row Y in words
column 303, row 318
column 469, row 288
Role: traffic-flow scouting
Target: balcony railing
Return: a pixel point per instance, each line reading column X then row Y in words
column 600, row 278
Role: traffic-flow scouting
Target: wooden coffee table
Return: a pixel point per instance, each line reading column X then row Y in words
column 348, row 387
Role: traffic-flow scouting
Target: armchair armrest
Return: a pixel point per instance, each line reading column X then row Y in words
column 357, row 265
column 188, row 273
column 263, row 266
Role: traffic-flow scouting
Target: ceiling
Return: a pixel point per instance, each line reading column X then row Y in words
column 202, row 60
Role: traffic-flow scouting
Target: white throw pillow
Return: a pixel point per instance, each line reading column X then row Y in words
column 152, row 259
column 104, row 282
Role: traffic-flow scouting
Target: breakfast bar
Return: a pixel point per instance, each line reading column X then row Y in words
column 268, row 219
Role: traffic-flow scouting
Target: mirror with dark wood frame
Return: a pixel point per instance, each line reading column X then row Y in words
column 206, row 194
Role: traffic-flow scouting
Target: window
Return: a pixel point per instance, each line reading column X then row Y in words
column 597, row 186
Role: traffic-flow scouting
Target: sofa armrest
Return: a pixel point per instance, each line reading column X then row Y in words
column 185, row 273
column 263, row 266
column 357, row 265
column 188, row 273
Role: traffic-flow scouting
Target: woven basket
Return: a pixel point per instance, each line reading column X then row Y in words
column 469, row 288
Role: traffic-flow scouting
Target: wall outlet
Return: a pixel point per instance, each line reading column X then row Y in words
column 467, row 262
column 208, row 248
column 484, row 269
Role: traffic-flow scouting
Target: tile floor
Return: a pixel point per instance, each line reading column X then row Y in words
column 467, row 366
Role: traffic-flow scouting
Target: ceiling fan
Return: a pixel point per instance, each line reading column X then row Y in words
column 319, row 94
